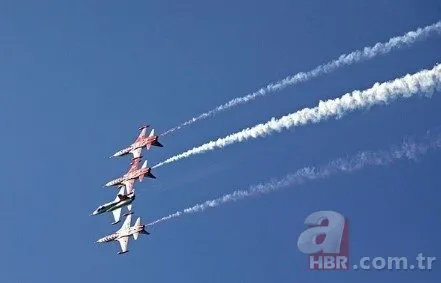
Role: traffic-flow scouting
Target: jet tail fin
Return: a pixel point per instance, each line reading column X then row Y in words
column 148, row 174
column 144, row 165
column 152, row 133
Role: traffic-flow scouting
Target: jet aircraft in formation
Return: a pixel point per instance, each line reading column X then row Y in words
column 126, row 194
column 133, row 173
column 124, row 233
column 121, row 200
column 141, row 142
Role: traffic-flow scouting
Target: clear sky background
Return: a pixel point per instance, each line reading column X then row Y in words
column 77, row 79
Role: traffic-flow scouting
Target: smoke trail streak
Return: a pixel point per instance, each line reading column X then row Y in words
column 366, row 53
column 425, row 81
column 409, row 149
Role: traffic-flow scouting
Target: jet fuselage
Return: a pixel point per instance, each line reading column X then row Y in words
column 142, row 143
column 121, row 234
column 129, row 176
column 113, row 205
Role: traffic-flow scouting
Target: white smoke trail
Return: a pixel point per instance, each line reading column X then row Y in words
column 366, row 53
column 409, row 149
column 425, row 81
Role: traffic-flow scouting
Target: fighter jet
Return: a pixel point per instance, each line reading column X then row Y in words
column 115, row 206
column 133, row 173
column 124, row 233
column 141, row 142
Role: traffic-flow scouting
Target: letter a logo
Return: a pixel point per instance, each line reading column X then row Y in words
column 325, row 240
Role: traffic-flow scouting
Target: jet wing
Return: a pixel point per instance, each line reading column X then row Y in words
column 142, row 133
column 123, row 242
column 126, row 224
column 116, row 215
column 134, row 165
column 136, row 152
column 121, row 193
column 129, row 184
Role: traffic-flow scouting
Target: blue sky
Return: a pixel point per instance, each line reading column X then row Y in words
column 79, row 78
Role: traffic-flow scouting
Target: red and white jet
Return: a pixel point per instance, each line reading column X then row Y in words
column 141, row 142
column 124, row 233
column 133, row 173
